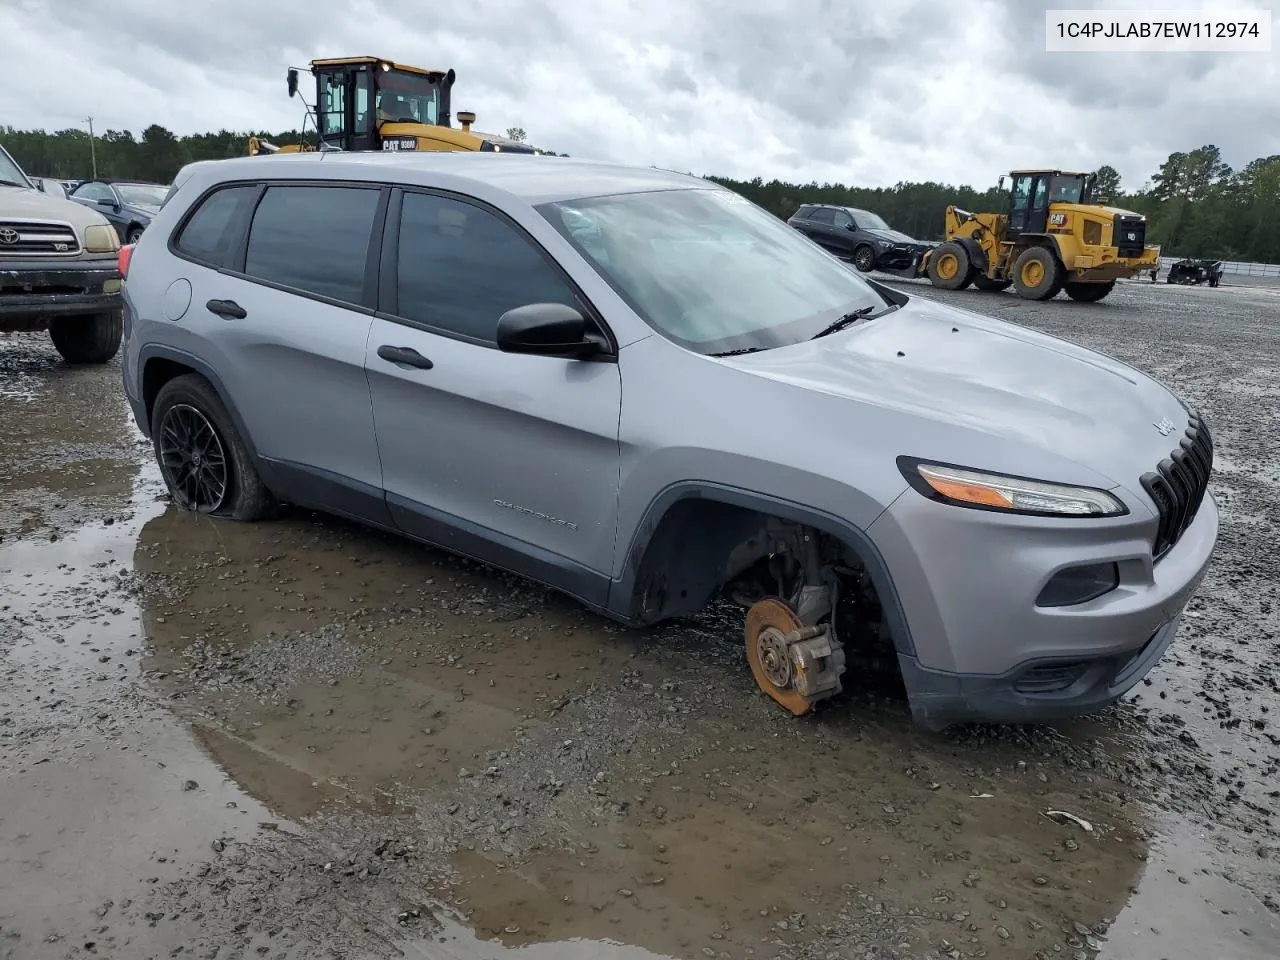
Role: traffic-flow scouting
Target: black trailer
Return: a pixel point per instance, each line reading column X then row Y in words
column 1194, row 272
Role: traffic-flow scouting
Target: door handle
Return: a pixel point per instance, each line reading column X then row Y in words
column 226, row 308
column 405, row 356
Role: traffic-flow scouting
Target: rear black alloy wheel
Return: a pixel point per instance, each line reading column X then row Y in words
column 193, row 459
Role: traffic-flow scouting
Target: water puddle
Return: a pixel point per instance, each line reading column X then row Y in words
column 1193, row 902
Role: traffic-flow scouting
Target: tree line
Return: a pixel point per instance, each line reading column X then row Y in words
column 1196, row 204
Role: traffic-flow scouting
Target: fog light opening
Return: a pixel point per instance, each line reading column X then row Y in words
column 1076, row 585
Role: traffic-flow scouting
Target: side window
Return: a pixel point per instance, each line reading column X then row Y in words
column 314, row 239
column 213, row 230
column 1021, row 192
column 460, row 268
column 364, row 119
column 94, row 191
column 1040, row 198
column 843, row 220
column 333, row 105
column 823, row 215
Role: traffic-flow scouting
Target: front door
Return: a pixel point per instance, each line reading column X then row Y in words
column 1029, row 204
column 509, row 458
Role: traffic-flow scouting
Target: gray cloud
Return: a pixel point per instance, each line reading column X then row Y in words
column 855, row 92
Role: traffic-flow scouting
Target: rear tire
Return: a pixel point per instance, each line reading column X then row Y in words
column 206, row 466
column 134, row 235
column 984, row 282
column 1037, row 275
column 1089, row 292
column 91, row 338
column 864, row 258
column 950, row 267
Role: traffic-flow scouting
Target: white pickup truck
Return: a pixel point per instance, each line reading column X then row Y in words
column 58, row 269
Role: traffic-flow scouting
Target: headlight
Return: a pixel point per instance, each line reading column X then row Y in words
column 995, row 491
column 101, row 238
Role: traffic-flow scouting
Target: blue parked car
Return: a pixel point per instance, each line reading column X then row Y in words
column 128, row 204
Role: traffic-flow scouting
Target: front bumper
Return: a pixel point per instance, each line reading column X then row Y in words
column 31, row 291
column 900, row 260
column 982, row 650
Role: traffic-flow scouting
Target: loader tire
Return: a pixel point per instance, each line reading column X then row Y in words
column 1037, row 275
column 983, row 282
column 950, row 267
column 1089, row 292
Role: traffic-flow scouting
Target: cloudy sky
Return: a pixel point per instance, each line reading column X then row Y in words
column 853, row 91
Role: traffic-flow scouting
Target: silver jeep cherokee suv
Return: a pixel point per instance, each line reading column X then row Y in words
column 640, row 389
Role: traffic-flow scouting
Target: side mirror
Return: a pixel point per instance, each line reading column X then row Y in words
column 108, row 202
column 40, row 186
column 547, row 329
column 292, row 79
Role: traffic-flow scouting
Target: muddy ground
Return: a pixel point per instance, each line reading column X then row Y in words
column 300, row 738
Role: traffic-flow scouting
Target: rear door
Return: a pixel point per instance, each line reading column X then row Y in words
column 507, row 457
column 283, row 295
column 818, row 225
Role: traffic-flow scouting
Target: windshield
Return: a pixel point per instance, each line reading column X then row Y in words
column 710, row 270
column 869, row 221
column 10, row 172
column 144, row 193
column 407, row 98
column 1066, row 189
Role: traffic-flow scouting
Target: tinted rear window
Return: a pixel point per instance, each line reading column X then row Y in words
column 314, row 239
column 211, row 233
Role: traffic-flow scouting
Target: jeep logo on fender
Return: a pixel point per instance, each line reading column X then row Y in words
column 1165, row 426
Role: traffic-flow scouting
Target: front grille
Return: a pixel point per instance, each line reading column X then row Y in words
column 1177, row 486
column 37, row 238
column 1129, row 233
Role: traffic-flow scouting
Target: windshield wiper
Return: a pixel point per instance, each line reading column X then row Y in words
column 853, row 316
column 738, row 352
column 10, row 183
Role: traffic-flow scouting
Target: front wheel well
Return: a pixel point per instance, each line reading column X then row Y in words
column 704, row 550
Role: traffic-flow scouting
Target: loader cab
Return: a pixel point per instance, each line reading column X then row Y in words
column 1033, row 191
column 357, row 96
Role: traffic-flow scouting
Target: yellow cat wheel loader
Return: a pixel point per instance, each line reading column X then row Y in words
column 369, row 103
column 1054, row 237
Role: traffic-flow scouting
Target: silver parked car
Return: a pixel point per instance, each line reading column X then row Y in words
column 642, row 390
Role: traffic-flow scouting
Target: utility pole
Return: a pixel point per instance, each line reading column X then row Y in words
column 93, row 154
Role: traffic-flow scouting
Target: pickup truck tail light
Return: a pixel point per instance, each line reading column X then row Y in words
column 126, row 254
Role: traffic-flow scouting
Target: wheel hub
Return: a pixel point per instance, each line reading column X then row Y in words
column 795, row 665
column 192, row 459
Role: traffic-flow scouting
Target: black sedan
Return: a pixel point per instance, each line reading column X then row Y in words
column 860, row 237
column 128, row 204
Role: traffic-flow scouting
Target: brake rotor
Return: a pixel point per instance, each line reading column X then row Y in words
column 769, row 625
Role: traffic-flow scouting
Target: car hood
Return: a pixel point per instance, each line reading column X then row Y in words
column 148, row 210
column 893, row 236
column 34, row 205
column 967, row 373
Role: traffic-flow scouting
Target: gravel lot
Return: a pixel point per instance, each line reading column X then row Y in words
column 303, row 739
